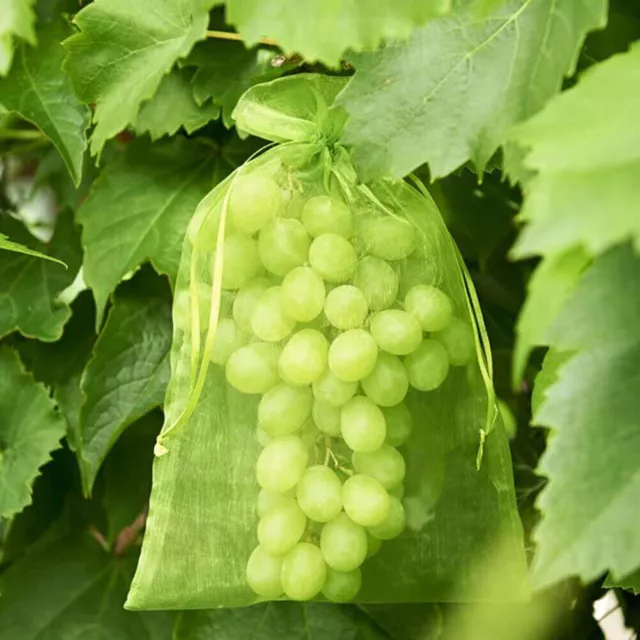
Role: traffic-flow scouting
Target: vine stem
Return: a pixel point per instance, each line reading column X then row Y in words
column 228, row 35
column 20, row 134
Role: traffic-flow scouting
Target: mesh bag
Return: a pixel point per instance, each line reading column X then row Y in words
column 331, row 388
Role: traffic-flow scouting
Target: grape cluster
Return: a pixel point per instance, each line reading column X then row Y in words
column 318, row 330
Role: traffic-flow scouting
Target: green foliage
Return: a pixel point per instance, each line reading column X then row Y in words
column 17, row 21
column 16, row 247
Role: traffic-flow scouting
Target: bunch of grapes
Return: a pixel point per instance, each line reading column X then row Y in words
column 327, row 325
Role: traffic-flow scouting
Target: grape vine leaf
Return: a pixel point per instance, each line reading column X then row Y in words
column 323, row 31
column 122, row 52
column 77, row 590
column 630, row 582
column 138, row 210
column 312, row 621
column 590, row 516
column 128, row 372
column 16, row 247
column 17, row 21
column 225, row 70
column 39, row 91
column 30, row 430
column 451, row 92
column 29, row 286
column 585, row 148
column 174, row 106
column 547, row 376
column 549, row 287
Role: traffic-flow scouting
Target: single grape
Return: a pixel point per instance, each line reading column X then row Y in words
column 240, row 261
column 303, row 294
column 417, row 514
column 430, row 306
column 304, row 357
column 346, row 307
column 427, row 366
column 284, row 409
column 387, row 237
column 373, row 545
column 386, row 465
column 397, row 491
column 365, row 500
column 323, row 214
column 281, row 463
column 182, row 308
column 254, row 368
column 388, row 383
column 399, row 424
column 202, row 229
column 326, row 418
column 353, row 355
column 319, row 493
column 263, row 573
column 269, row 499
column 333, row 257
column 332, row 391
column 362, row 424
column 393, row 525
column 459, row 341
column 378, row 281
column 303, row 572
column 253, row 201
column 283, row 245
column 246, row 301
column 228, row 339
column 281, row 527
column 396, row 331
column 342, row 586
column 343, row 543
column 269, row 321
column 309, row 434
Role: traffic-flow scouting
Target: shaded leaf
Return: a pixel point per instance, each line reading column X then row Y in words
column 29, row 430
column 17, row 21
column 8, row 245
column 122, row 52
column 29, row 286
column 547, row 376
column 630, row 582
column 129, row 370
column 451, row 92
column 38, row 90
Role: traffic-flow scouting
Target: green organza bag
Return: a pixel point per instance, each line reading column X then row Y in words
column 337, row 318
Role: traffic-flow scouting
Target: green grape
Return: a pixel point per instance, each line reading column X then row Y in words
column 373, row 545
column 387, row 237
column 303, row 572
column 254, row 368
column 388, row 383
column 269, row 321
column 246, row 301
column 182, row 308
column 333, row 391
column 323, row 214
column 281, row 527
column 427, row 366
column 414, row 271
column 430, row 306
column 386, row 465
column 417, row 515
column 263, row 573
column 365, row 500
column 399, row 424
column 362, row 424
column 396, row 331
column 304, row 357
column 283, row 245
column 353, row 355
column 263, row 437
column 346, row 307
column 343, row 543
column 284, row 409
column 333, row 257
column 269, row 499
column 326, row 418
column 459, row 341
column 254, row 200
column 397, row 491
column 240, row 261
column 281, row 463
column 393, row 525
column 294, row 202
column 342, row 586
column 319, row 493
column 378, row 281
column 228, row 339
column 303, row 294
column 309, row 434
